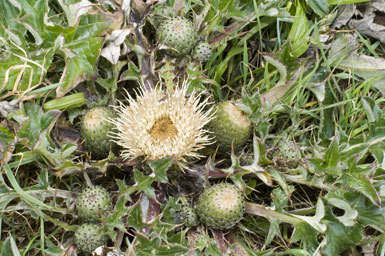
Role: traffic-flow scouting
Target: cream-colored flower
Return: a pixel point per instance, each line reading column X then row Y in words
column 157, row 124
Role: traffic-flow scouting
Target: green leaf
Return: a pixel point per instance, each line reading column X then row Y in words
column 223, row 65
column 132, row 72
column 350, row 215
column 335, row 2
column 134, row 218
column 37, row 121
column 368, row 213
column 10, row 247
column 35, row 203
column 67, row 102
column 294, row 252
column 360, row 183
column 143, row 183
column 274, row 231
column 160, row 167
column 320, row 7
column 154, row 246
column 304, row 233
column 316, row 220
column 280, row 67
column 332, row 154
column 6, row 137
column 82, row 65
column 25, row 64
column 339, row 237
column 373, row 113
column 381, row 247
column 299, row 32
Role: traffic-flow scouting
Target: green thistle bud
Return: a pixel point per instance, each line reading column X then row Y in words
column 93, row 203
column 230, row 125
column 221, row 206
column 189, row 216
column 202, row 52
column 94, row 129
column 288, row 154
column 179, row 34
column 88, row 237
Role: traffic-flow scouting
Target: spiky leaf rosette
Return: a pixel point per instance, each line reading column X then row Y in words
column 179, row 34
column 88, row 237
column 157, row 124
column 202, row 52
column 93, row 203
column 162, row 13
column 221, row 206
column 94, row 130
column 230, row 125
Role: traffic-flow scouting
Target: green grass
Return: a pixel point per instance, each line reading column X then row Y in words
column 271, row 57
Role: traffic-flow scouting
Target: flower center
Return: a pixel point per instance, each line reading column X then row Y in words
column 227, row 200
column 239, row 117
column 163, row 129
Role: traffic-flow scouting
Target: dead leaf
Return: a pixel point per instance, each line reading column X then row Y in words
column 112, row 51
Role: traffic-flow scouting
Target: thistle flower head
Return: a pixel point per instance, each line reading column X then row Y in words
column 157, row 124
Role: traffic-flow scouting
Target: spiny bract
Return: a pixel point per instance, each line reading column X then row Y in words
column 162, row 13
column 88, row 237
column 94, row 129
column 230, row 125
column 179, row 34
column 288, row 154
column 189, row 216
column 93, row 203
column 221, row 206
column 202, row 52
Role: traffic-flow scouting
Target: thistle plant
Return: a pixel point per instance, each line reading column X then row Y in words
column 302, row 77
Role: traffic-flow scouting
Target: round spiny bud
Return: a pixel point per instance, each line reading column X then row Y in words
column 189, row 216
column 88, row 237
column 94, row 129
column 179, row 34
column 288, row 154
column 221, row 206
column 230, row 125
column 162, row 13
column 202, row 52
column 93, row 203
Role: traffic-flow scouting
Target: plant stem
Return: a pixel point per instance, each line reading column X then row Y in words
column 260, row 210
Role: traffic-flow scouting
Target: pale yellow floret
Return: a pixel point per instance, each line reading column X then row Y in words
column 157, row 125
column 237, row 116
column 228, row 199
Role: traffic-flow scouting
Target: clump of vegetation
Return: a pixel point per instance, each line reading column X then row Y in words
column 220, row 127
